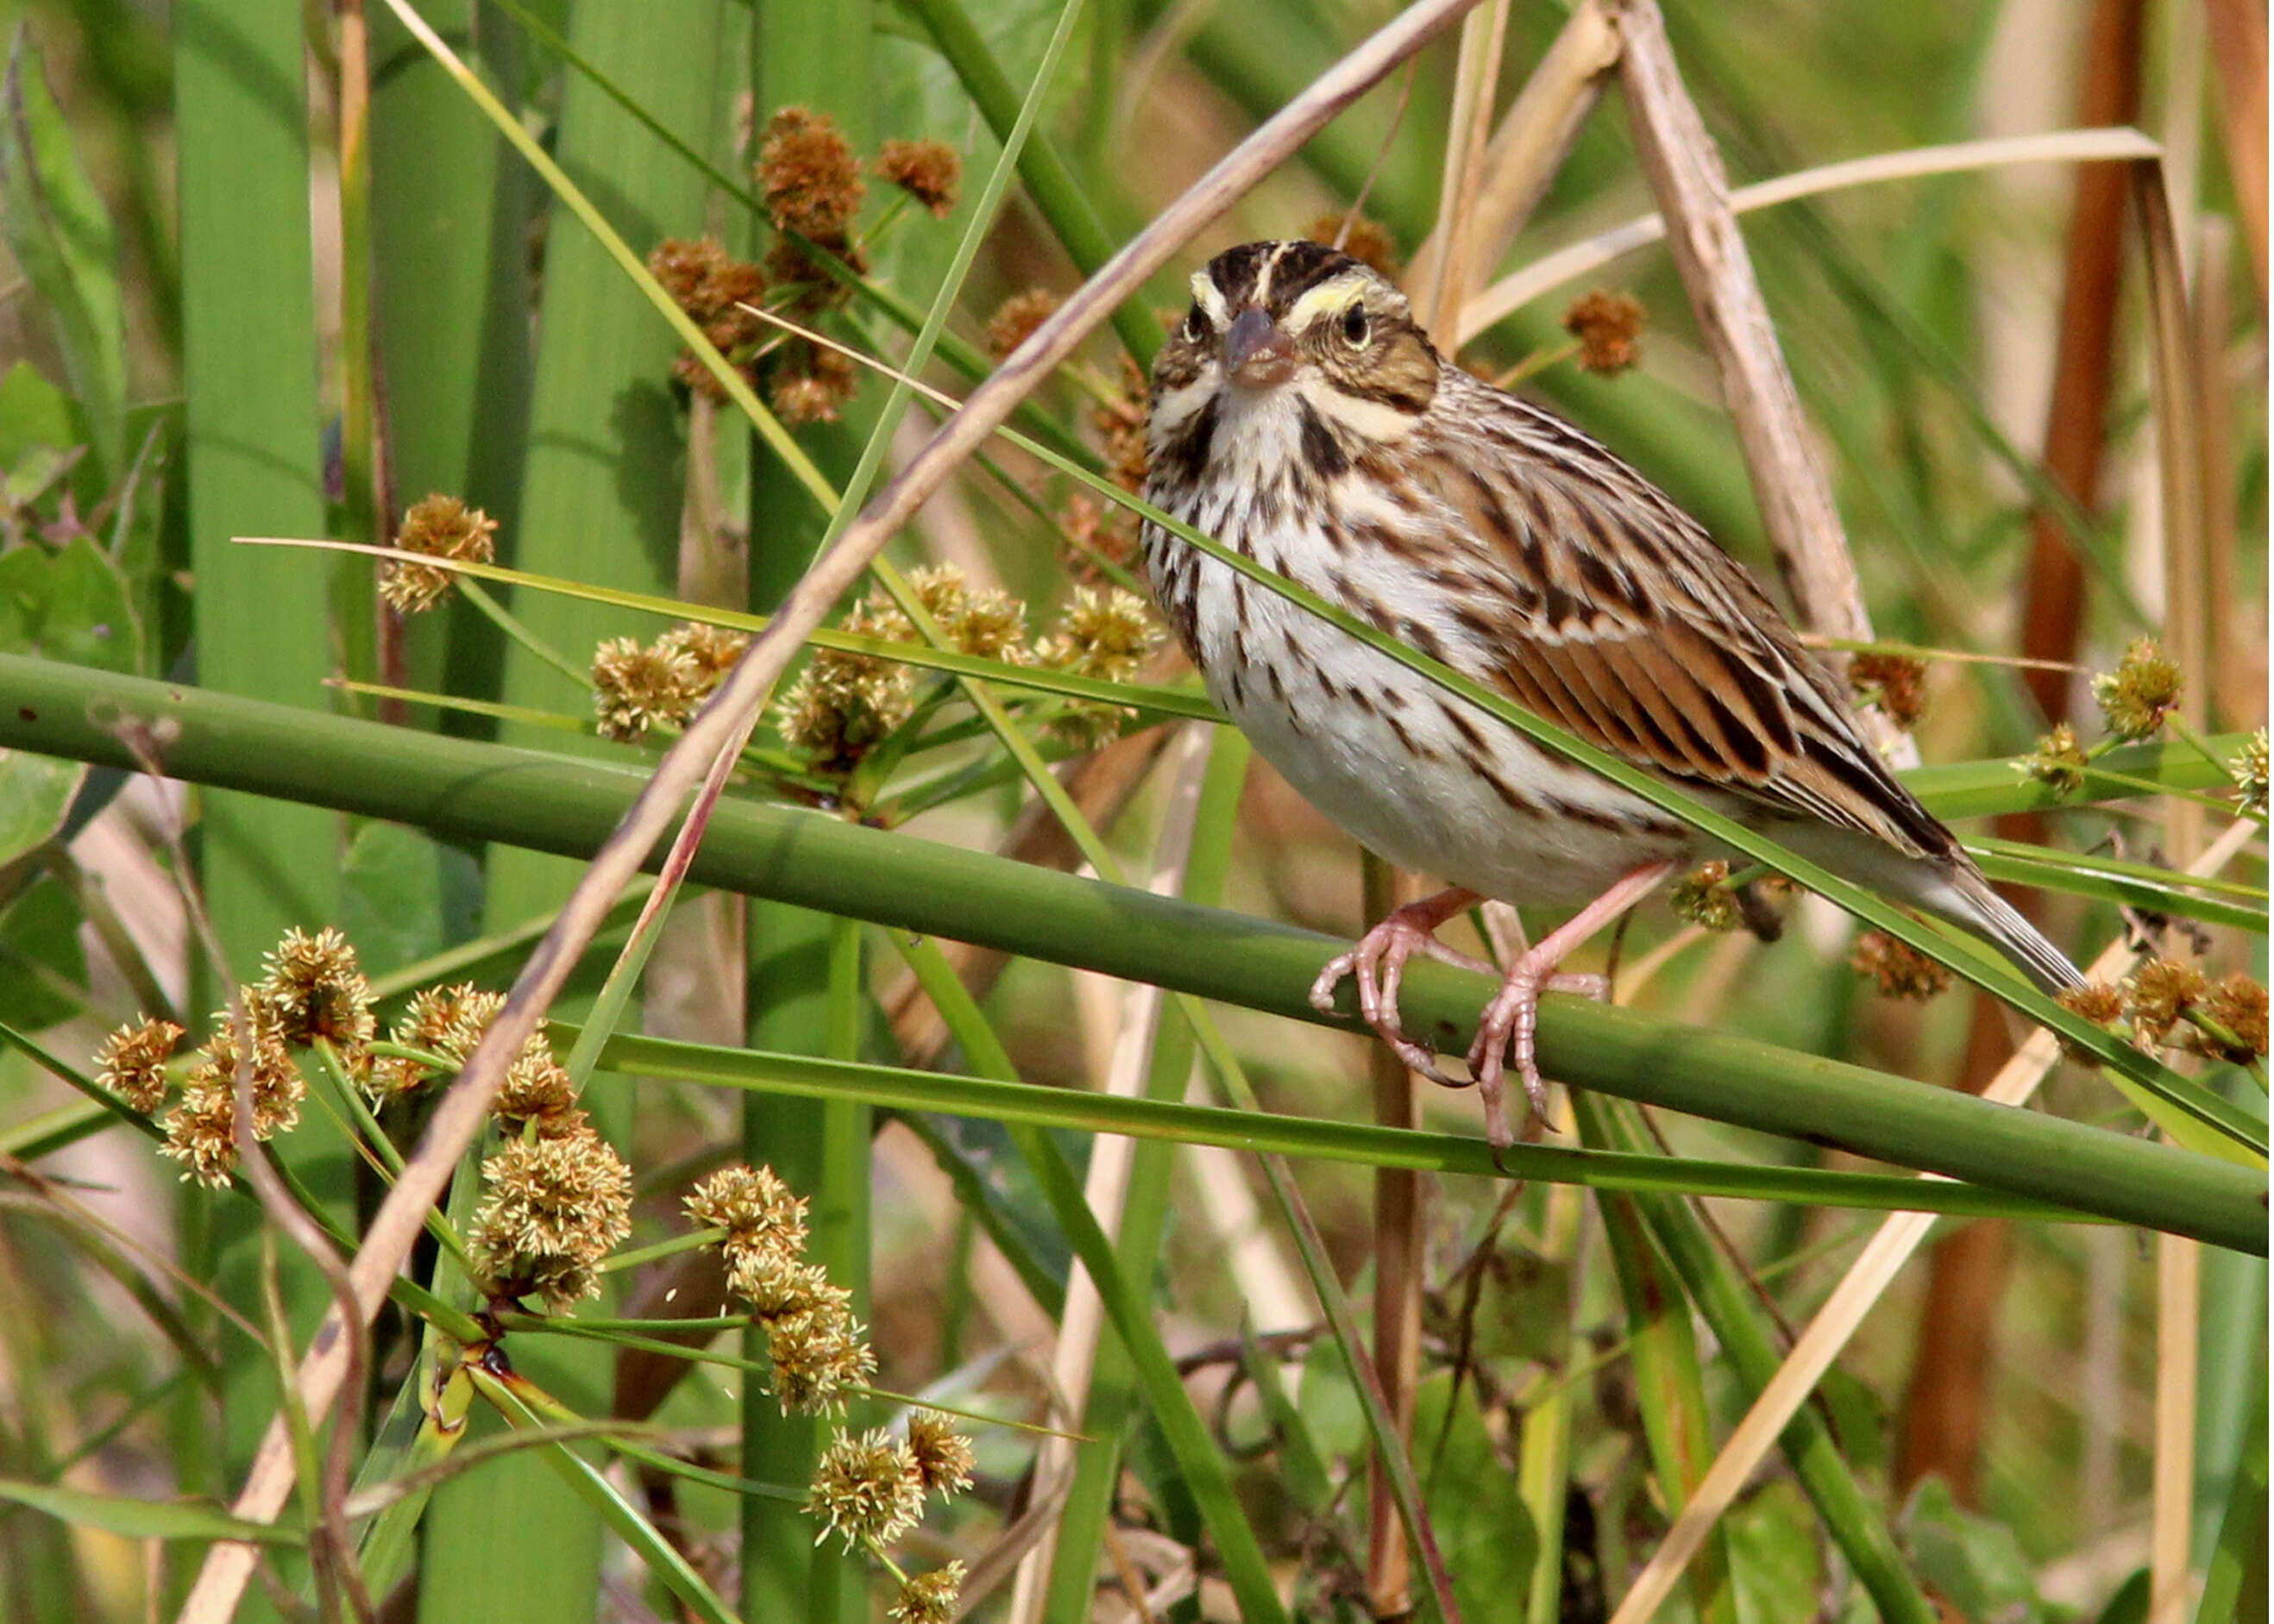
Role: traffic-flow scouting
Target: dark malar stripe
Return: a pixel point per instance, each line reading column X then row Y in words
column 1320, row 449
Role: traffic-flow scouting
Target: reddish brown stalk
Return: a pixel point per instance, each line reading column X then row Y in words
column 1946, row 1407
column 2238, row 55
column 1397, row 1285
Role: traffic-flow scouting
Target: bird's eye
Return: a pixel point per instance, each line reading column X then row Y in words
column 1354, row 325
column 1195, row 323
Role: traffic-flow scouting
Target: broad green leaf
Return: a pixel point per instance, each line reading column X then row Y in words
column 1476, row 1503
column 1773, row 1556
column 41, row 964
column 35, row 794
column 141, row 1519
column 35, row 415
column 1976, row 1565
column 399, row 894
column 70, row 606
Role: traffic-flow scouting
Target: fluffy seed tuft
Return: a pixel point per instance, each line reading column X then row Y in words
column 810, row 179
column 132, row 1063
column 866, row 1489
column 1608, row 327
column 931, row 172
column 437, row 527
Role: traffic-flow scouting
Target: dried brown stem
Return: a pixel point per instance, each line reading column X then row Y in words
column 2238, row 55
column 1685, row 175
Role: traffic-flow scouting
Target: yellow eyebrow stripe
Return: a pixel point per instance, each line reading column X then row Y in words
column 1326, row 299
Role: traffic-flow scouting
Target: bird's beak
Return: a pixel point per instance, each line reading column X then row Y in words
column 1256, row 354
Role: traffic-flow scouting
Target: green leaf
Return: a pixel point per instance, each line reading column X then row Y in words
column 35, row 796
column 397, row 893
column 1773, row 1556
column 1476, row 1504
column 58, row 230
column 1974, row 1564
column 41, row 964
column 141, row 1519
column 35, row 415
column 70, row 606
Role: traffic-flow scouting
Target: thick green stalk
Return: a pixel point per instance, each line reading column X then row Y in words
column 563, row 804
column 600, row 503
column 813, row 53
column 450, row 303
column 261, row 625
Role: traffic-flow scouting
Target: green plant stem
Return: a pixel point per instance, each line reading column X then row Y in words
column 457, row 787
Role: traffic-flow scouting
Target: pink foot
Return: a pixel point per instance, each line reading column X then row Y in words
column 1377, row 961
column 1508, row 1026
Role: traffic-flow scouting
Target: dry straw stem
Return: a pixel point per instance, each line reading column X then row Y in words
column 1512, row 292
column 711, row 736
column 1797, row 513
column 1873, row 1271
column 2238, row 55
column 1443, row 284
column 1534, row 137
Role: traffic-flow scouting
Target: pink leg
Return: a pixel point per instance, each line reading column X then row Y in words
column 1378, row 962
column 1506, row 1028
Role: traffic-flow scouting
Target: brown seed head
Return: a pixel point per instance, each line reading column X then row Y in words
column 1366, row 241
column 1900, row 970
column 1608, row 327
column 2234, row 1009
column 1897, row 681
column 439, row 527
column 2096, row 1002
column 712, row 648
column 2058, row 761
column 278, row 1088
column 555, row 1208
column 314, row 989
column 807, row 171
column 755, row 1208
column 538, row 1089
column 1015, row 319
column 818, row 1352
column 929, row 1597
column 2159, row 992
column 931, row 172
column 200, row 1133
column 811, row 384
column 132, row 1063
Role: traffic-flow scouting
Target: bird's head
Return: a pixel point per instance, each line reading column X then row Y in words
column 1269, row 318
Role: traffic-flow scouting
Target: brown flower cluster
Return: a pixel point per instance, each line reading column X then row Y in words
column 1895, row 683
column 716, row 290
column 436, row 527
column 1366, row 241
column 1015, row 319
column 638, row 685
column 1608, row 327
column 132, row 1063
column 2168, row 1002
column 2141, row 693
column 1900, row 970
column 1107, row 634
column 444, row 1021
column 931, row 172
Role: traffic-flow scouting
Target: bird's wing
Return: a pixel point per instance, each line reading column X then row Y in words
column 1625, row 624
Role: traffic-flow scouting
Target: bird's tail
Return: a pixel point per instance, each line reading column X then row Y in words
column 1997, row 922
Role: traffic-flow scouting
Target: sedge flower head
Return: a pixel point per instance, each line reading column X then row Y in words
column 1608, row 327
column 1015, row 319
column 132, row 1063
column 931, row 172
column 2141, row 692
column 636, row 687
column 437, row 526
column 1900, row 969
column 1365, row 240
column 929, row 1597
column 2057, row 762
column 810, row 179
column 866, row 1489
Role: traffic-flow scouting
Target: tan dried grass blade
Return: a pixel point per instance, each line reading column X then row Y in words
column 1512, row 292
